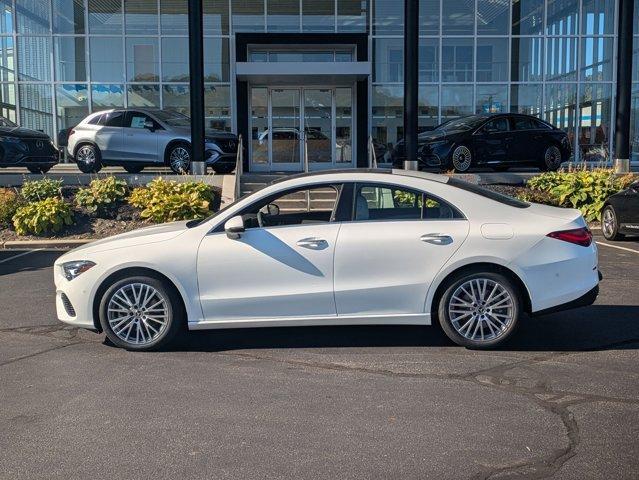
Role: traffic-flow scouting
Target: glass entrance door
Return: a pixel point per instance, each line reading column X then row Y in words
column 291, row 124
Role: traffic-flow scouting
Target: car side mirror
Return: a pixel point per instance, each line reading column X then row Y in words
column 270, row 209
column 234, row 226
column 149, row 125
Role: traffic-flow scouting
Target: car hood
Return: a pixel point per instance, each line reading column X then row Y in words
column 23, row 132
column 142, row 236
column 209, row 133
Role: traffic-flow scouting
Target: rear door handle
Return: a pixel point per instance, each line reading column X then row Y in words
column 437, row 238
column 312, row 243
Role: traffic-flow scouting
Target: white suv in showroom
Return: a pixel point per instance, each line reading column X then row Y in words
column 136, row 138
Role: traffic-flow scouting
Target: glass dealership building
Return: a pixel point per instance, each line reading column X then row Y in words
column 330, row 68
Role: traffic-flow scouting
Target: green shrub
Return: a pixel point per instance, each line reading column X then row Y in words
column 537, row 196
column 168, row 201
column 48, row 215
column 102, row 196
column 10, row 201
column 586, row 190
column 41, row 189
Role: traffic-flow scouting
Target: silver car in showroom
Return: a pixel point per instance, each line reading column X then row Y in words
column 135, row 138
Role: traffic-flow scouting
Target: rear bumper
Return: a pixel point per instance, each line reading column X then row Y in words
column 586, row 299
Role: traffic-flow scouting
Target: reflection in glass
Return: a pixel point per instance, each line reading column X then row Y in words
column 216, row 17
column 561, row 58
column 295, row 56
column 106, row 59
column 283, row 16
column 634, row 123
column 596, row 58
column 175, row 65
column 68, row 16
column 70, row 64
column 352, row 15
column 6, row 17
column 259, row 125
column 527, row 17
column 343, row 125
column 248, row 15
column 217, row 107
column 285, row 120
column 635, row 58
column 142, row 59
column 318, row 15
column 457, row 100
column 37, row 50
column 526, row 59
column 105, row 16
column 36, row 107
column 71, row 103
column 388, row 55
column 143, row 96
column 176, row 98
column 7, row 59
column 491, row 99
column 594, row 121
column 141, row 17
column 428, row 106
column 174, row 17
column 526, row 99
column 492, row 59
column 457, row 59
column 388, row 17
column 8, row 101
column 492, row 17
column 598, row 17
column 388, row 117
column 561, row 17
column 32, row 16
column 428, row 59
column 560, row 107
column 106, row 96
column 458, row 17
column 318, row 105
column 216, row 59
column 429, row 17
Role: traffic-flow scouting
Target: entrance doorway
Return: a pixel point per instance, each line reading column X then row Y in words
column 291, row 124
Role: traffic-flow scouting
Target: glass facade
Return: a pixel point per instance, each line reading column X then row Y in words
column 60, row 59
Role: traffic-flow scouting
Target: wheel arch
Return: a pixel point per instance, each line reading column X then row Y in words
column 481, row 266
column 85, row 142
column 171, row 144
column 128, row 272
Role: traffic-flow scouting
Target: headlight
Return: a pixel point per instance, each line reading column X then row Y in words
column 73, row 269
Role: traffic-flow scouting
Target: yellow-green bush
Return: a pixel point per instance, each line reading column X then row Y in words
column 10, row 201
column 102, row 196
column 586, row 190
column 44, row 216
column 36, row 190
column 168, row 201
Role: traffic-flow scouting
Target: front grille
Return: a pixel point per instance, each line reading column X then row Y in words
column 67, row 305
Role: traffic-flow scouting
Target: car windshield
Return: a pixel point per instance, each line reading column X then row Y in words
column 464, row 123
column 6, row 123
column 173, row 119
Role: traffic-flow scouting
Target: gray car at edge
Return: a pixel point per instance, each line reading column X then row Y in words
column 135, row 138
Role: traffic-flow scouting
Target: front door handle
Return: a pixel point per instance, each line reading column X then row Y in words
column 313, row 243
column 437, row 238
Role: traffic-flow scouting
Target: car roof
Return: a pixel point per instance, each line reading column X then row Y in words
column 354, row 171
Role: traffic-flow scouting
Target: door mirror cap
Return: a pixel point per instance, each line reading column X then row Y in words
column 234, row 226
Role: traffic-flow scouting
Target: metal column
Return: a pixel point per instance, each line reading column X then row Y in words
column 411, row 81
column 196, row 83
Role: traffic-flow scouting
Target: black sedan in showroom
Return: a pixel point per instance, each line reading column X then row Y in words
column 497, row 141
column 620, row 213
column 23, row 147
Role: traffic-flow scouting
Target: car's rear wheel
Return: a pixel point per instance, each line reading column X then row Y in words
column 133, row 168
column 39, row 169
column 88, row 158
column 610, row 224
column 462, row 158
column 140, row 313
column 552, row 158
column 480, row 309
column 179, row 157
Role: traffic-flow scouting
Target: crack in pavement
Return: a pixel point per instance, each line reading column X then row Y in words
column 31, row 355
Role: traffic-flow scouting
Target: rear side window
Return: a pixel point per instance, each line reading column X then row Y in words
column 95, row 120
column 114, row 119
column 498, row 197
column 522, row 123
column 541, row 125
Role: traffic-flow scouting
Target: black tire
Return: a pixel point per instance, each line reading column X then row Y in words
column 39, row 169
column 461, row 158
column 183, row 165
column 88, row 158
column 133, row 168
column 451, row 326
column 551, row 160
column 223, row 169
column 610, row 224
column 175, row 316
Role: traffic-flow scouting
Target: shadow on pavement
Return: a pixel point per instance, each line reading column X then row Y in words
column 30, row 262
column 598, row 327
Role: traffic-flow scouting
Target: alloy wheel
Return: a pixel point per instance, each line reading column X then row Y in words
column 86, row 155
column 608, row 222
column 138, row 313
column 461, row 158
column 481, row 309
column 552, row 157
column 180, row 159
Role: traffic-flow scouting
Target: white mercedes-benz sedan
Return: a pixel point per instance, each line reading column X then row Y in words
column 356, row 247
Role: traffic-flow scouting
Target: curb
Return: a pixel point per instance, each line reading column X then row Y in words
column 45, row 244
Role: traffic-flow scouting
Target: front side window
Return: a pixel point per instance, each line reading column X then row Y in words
column 522, row 123
column 496, row 125
column 139, row 120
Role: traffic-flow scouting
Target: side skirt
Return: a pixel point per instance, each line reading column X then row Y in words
column 410, row 319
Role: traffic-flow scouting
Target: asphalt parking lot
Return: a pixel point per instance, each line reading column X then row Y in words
column 561, row 400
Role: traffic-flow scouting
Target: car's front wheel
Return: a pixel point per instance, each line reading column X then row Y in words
column 88, row 158
column 39, row 169
column 479, row 309
column 140, row 313
column 610, row 224
column 462, row 158
column 179, row 157
column 552, row 158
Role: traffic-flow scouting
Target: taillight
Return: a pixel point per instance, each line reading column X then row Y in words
column 579, row 236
